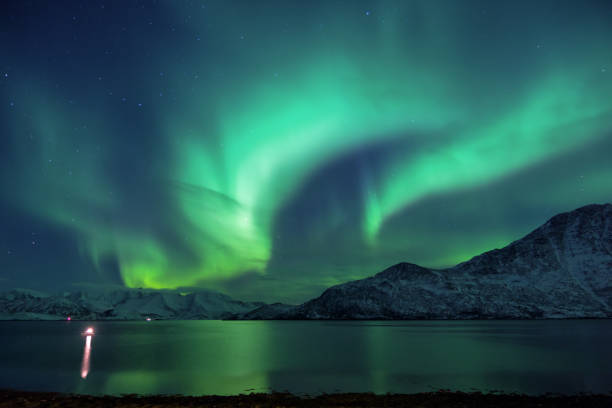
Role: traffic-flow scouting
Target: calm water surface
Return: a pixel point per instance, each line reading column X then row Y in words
column 218, row 357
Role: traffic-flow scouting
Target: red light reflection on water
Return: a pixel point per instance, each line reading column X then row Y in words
column 86, row 353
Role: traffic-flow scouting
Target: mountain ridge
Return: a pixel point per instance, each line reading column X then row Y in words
column 120, row 304
column 562, row 269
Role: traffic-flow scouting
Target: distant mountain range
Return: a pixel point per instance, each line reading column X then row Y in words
column 563, row 269
column 121, row 304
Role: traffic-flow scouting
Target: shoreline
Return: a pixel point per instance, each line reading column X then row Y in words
column 439, row 399
column 554, row 319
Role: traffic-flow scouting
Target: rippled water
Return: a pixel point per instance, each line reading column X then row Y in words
column 219, row 357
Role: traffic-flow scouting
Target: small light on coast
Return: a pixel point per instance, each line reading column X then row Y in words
column 148, row 319
column 69, row 318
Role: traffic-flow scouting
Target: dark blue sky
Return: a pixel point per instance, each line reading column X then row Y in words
column 271, row 149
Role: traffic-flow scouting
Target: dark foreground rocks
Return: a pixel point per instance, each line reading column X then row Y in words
column 15, row 399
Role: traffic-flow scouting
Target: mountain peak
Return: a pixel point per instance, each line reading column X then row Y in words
column 588, row 212
column 560, row 270
column 402, row 270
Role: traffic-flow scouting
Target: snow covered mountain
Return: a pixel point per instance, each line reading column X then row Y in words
column 122, row 304
column 561, row 270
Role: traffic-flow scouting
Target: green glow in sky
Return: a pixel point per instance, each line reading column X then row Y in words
column 268, row 150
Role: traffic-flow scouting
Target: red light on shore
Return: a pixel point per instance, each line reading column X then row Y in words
column 69, row 318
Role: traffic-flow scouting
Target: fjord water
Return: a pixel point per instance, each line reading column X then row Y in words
column 232, row 357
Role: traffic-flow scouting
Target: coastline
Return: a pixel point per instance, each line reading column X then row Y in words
column 500, row 319
column 439, row 399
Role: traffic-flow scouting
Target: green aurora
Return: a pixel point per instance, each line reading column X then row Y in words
column 270, row 149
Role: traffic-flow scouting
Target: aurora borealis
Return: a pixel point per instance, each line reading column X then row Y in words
column 270, row 149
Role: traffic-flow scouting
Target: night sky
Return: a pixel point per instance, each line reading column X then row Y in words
column 269, row 149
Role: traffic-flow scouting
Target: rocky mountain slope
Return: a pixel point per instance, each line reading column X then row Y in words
column 561, row 270
column 127, row 304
